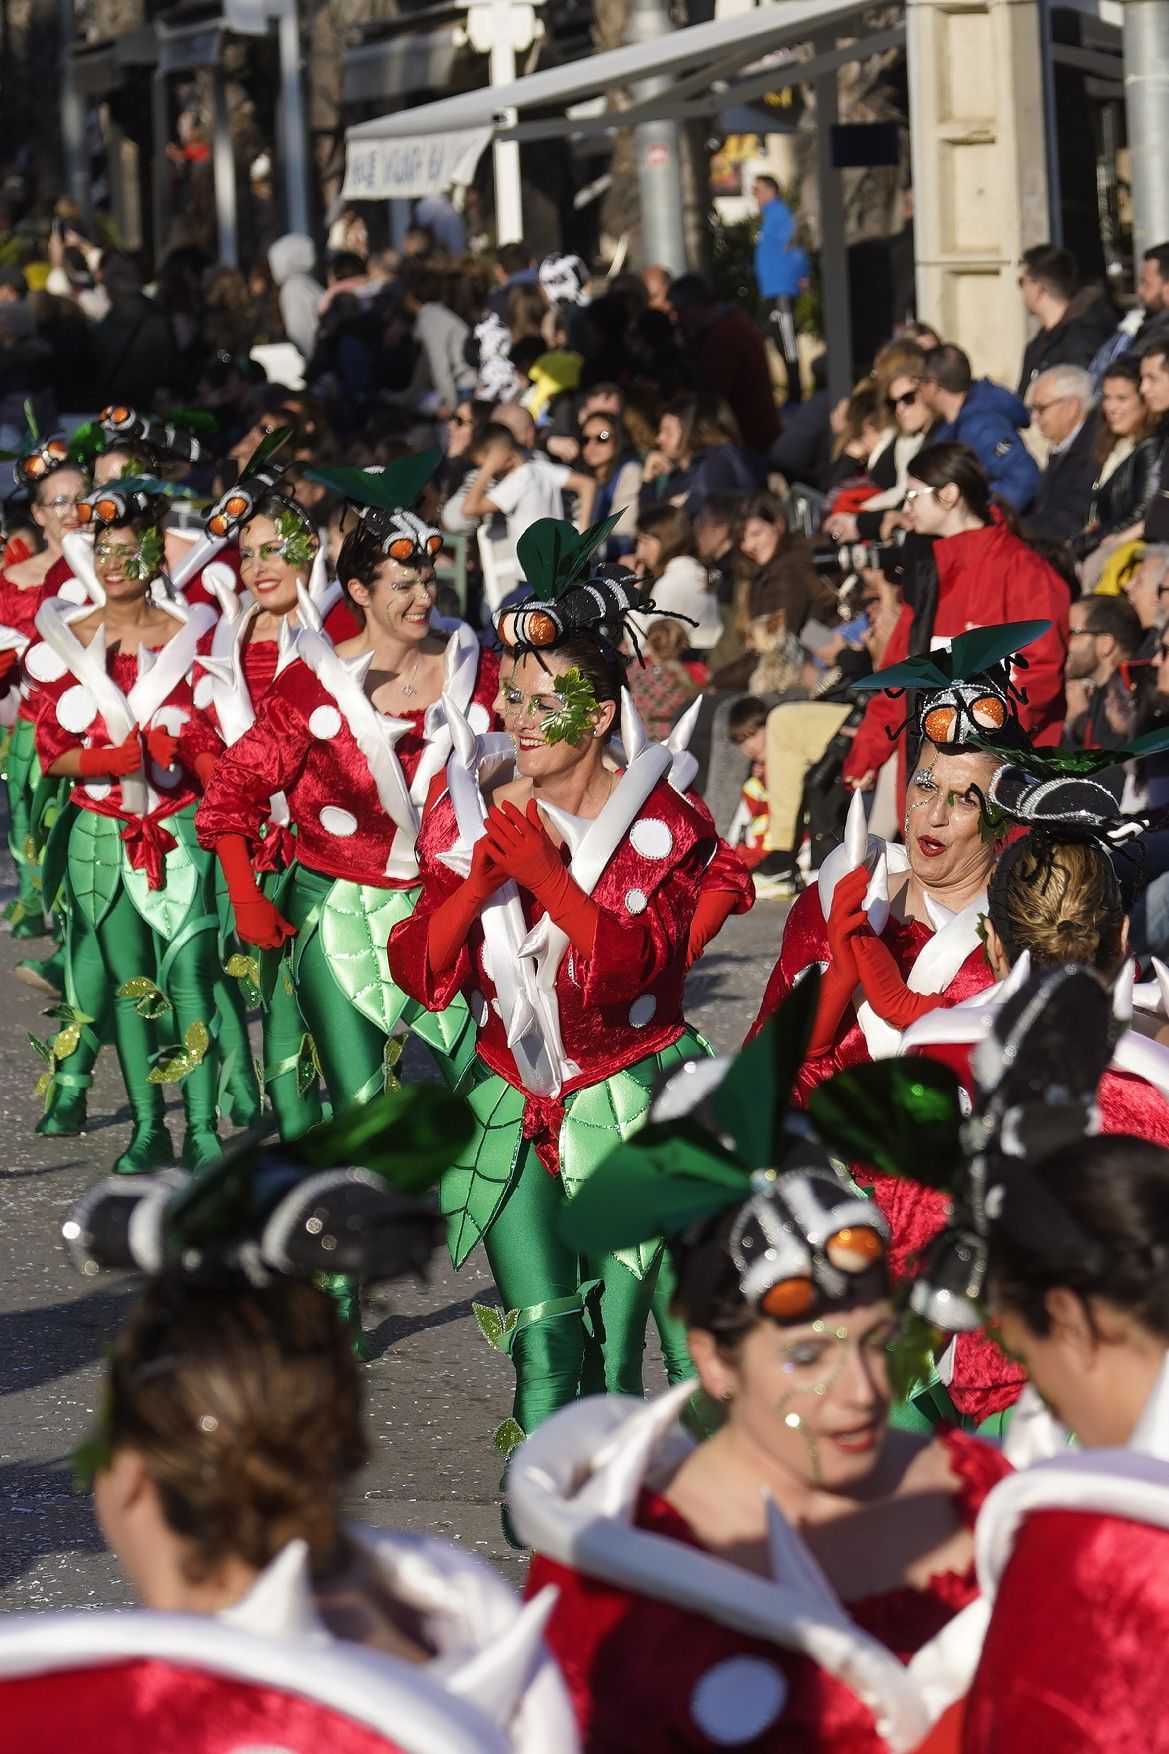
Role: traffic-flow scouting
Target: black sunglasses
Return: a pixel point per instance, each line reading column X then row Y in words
column 893, row 403
column 596, row 438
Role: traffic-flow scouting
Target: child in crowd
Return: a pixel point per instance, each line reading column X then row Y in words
column 664, row 686
column 747, row 730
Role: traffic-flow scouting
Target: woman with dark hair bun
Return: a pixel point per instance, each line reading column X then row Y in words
column 1062, row 1237
column 981, row 575
column 562, row 890
column 690, row 1611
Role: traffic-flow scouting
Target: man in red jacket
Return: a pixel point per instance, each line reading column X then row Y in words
column 985, row 576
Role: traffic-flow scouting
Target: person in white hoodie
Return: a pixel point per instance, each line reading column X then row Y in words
column 291, row 260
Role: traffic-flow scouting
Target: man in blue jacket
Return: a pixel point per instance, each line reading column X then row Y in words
column 984, row 416
column 781, row 273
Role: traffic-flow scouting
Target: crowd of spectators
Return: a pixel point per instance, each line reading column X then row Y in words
column 802, row 540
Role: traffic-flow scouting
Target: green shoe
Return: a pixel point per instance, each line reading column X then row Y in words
column 44, row 974
column 201, row 1146
column 149, row 1149
column 65, row 1114
column 31, row 926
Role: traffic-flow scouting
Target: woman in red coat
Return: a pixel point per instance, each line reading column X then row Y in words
column 985, row 575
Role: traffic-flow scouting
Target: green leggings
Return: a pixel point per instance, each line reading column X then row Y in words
column 350, row 1044
column 23, row 776
column 568, row 1342
column 121, row 946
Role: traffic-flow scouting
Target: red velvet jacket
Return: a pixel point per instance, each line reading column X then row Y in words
column 805, row 941
column 84, row 704
column 639, row 1668
column 985, row 577
column 625, row 1002
column 345, row 770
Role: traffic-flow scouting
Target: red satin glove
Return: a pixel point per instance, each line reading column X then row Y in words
column 257, row 920
column 204, row 767
column 885, row 987
column 452, row 920
column 114, row 761
column 846, row 923
column 524, row 850
column 715, row 907
column 161, row 746
column 522, row 847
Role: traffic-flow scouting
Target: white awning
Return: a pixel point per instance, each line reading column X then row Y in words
column 709, row 67
column 408, row 165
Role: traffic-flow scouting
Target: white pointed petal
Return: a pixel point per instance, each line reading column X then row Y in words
column 570, row 828
column 1122, row 991
column 318, row 578
column 498, row 1675
column 457, row 859
column 856, row 833
column 522, row 1018
column 877, row 894
column 463, row 739
column 683, row 771
column 536, row 941
column 280, row 1603
column 633, row 734
column 223, row 669
column 679, row 737
column 1162, row 974
column 198, row 556
column 620, row 1468
column 78, row 551
column 146, row 660
column 1017, row 978
column 792, row 1564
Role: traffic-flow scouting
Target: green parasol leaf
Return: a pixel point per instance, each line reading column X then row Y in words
column 902, row 1116
column 391, row 489
column 408, row 1136
column 769, row 1064
column 267, row 447
column 983, row 647
column 666, row 1178
column 553, row 554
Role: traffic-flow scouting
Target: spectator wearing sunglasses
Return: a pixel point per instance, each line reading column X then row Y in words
column 889, row 463
column 608, row 455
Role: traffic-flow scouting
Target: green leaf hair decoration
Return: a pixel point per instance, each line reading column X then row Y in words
column 569, row 723
column 295, row 537
column 147, row 563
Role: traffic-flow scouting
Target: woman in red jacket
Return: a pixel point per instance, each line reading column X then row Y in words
column 984, row 576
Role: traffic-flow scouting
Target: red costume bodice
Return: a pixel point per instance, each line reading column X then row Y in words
column 622, row 1004
column 1076, row 1657
column 636, row 1665
column 805, row 941
column 304, row 746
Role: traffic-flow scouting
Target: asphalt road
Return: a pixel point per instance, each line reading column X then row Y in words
column 436, row 1390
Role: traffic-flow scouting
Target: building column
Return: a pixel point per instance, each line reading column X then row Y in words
column 1146, row 102
column 976, row 125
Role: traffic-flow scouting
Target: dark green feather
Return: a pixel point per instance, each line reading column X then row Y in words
column 392, row 489
column 902, row 1116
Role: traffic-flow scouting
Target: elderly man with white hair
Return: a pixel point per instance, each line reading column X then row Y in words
column 1063, row 409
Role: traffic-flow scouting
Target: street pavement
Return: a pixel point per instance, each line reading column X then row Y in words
column 435, row 1389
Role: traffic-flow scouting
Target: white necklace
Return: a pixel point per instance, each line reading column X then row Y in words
column 408, row 687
